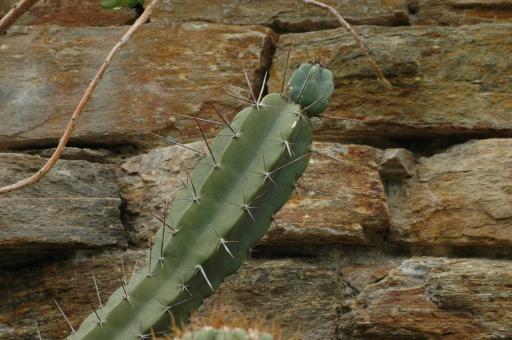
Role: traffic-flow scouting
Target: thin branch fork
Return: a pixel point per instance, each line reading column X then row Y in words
column 14, row 13
column 81, row 106
column 357, row 38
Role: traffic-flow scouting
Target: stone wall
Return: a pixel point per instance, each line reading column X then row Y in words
column 409, row 238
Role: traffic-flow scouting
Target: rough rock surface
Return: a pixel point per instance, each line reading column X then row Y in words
column 70, row 13
column 27, row 293
column 433, row 70
column 354, row 210
column 75, row 206
column 346, row 203
column 358, row 276
column 459, row 197
column 162, row 70
column 434, row 298
column 460, row 12
column 301, row 296
column 282, row 15
column 397, row 163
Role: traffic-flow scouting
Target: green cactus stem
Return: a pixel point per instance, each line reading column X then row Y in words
column 224, row 210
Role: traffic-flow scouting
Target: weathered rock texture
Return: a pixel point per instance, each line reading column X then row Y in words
column 75, row 206
column 27, row 293
column 282, row 15
column 459, row 197
column 434, row 298
column 71, row 13
column 434, row 70
column 300, row 296
column 346, row 203
column 349, row 205
column 460, row 12
column 162, row 70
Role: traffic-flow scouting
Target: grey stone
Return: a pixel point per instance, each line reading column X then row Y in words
column 75, row 206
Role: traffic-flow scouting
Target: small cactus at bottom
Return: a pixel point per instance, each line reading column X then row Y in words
column 224, row 333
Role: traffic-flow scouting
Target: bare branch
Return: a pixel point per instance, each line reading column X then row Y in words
column 357, row 38
column 81, row 106
column 14, row 13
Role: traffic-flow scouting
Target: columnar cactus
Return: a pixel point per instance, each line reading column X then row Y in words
column 225, row 208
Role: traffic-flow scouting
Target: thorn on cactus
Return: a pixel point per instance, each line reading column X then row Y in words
column 226, row 124
column 195, row 197
column 179, row 144
column 215, row 164
column 97, row 290
column 39, row 337
column 262, row 86
column 65, row 317
column 122, row 270
column 285, row 70
column 141, row 335
column 100, row 321
column 201, row 269
column 184, row 288
column 149, row 274
column 251, row 91
column 265, row 173
column 125, row 295
column 224, row 243
column 199, row 119
column 286, row 144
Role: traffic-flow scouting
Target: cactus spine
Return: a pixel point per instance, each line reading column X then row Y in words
column 225, row 208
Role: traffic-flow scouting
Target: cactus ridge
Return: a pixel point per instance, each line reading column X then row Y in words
column 224, row 209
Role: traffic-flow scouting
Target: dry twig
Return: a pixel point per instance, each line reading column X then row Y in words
column 357, row 38
column 14, row 13
column 81, row 106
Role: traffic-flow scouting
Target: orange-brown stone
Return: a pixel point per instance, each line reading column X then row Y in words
column 182, row 68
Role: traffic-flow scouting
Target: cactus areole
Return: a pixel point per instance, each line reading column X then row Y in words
column 224, row 210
